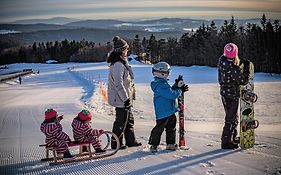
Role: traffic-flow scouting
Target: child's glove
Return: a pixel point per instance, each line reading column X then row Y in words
column 179, row 82
column 101, row 131
column 60, row 117
column 184, row 88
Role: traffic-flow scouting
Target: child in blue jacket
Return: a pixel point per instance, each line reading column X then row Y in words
column 165, row 106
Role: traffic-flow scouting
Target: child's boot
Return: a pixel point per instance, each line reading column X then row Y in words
column 99, row 150
column 172, row 147
column 67, row 155
column 153, row 149
column 85, row 149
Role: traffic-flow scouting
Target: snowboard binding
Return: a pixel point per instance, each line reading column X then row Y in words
column 249, row 124
column 249, row 96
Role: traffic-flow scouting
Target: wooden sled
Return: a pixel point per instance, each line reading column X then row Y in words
column 81, row 156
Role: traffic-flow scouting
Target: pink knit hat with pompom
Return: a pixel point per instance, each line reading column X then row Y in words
column 230, row 50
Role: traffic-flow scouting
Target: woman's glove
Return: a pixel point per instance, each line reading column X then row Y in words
column 127, row 103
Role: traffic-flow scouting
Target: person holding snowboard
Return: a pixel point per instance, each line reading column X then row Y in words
column 83, row 132
column 165, row 106
column 55, row 137
column 121, row 93
column 230, row 78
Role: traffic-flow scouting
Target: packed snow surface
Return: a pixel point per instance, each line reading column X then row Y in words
column 70, row 87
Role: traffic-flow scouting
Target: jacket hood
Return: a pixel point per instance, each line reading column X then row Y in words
column 156, row 81
column 225, row 63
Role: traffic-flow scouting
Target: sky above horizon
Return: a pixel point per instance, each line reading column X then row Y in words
column 12, row 10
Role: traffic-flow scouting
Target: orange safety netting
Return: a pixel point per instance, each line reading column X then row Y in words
column 103, row 91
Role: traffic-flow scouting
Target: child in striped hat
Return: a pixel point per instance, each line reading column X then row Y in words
column 55, row 137
column 83, row 132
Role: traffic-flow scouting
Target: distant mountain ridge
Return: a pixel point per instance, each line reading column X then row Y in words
column 96, row 35
column 172, row 23
column 33, row 27
column 103, row 30
column 56, row 20
column 101, row 23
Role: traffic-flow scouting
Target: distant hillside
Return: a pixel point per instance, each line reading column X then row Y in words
column 103, row 30
column 95, row 35
column 157, row 25
column 95, row 23
column 57, row 20
column 32, row 27
column 163, row 24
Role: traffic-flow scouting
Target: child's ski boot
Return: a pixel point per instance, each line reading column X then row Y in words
column 153, row 149
column 172, row 147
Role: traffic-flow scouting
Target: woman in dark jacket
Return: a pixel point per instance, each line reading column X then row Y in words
column 230, row 79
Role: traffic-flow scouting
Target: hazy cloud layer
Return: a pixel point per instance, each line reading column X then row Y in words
column 11, row 10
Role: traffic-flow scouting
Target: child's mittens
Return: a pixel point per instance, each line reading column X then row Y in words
column 60, row 117
column 184, row 88
column 101, row 131
column 179, row 82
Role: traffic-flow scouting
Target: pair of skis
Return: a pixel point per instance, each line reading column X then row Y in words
column 182, row 144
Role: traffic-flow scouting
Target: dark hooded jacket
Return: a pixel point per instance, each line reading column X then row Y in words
column 230, row 78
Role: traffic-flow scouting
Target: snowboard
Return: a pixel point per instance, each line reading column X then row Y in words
column 247, row 100
column 181, row 119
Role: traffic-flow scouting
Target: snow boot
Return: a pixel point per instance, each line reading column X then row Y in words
column 172, row 147
column 230, row 145
column 136, row 144
column 99, row 150
column 153, row 149
column 85, row 149
column 114, row 145
column 236, row 140
column 67, row 156
column 123, row 147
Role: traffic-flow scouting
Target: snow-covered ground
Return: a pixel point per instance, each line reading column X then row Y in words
column 22, row 111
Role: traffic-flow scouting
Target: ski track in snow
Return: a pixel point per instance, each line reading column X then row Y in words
column 22, row 110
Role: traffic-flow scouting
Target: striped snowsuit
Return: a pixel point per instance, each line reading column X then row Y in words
column 83, row 132
column 55, row 136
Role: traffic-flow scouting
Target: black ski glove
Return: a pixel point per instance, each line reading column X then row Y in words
column 179, row 82
column 127, row 103
column 184, row 88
